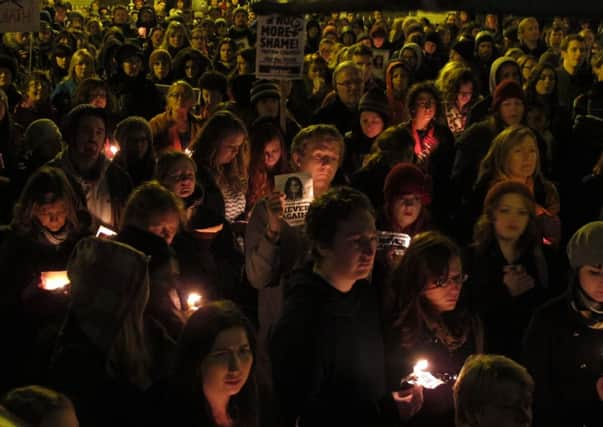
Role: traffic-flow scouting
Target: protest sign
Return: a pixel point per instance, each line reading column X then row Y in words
column 398, row 242
column 299, row 192
column 19, row 16
column 280, row 47
column 380, row 58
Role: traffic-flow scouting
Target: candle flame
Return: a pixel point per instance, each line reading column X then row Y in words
column 194, row 300
column 114, row 149
column 54, row 280
column 188, row 152
column 421, row 376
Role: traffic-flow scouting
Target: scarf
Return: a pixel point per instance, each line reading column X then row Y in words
column 57, row 238
column 590, row 311
column 452, row 339
column 425, row 143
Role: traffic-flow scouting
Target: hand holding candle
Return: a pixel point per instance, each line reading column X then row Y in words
column 421, row 376
column 54, row 280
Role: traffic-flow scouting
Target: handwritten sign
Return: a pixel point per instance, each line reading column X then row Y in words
column 299, row 192
column 280, row 46
column 19, row 15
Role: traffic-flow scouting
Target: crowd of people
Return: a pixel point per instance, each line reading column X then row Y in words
column 149, row 275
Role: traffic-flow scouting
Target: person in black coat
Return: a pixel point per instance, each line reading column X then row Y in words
column 562, row 348
column 136, row 96
column 327, row 348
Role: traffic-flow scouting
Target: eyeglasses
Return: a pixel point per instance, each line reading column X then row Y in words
column 348, row 84
column 444, row 282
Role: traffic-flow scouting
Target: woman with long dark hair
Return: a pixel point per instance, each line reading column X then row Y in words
column 212, row 382
column 424, row 320
column 268, row 158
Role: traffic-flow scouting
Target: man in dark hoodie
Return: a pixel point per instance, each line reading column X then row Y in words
column 327, row 348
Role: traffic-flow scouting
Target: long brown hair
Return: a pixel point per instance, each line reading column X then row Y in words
column 426, row 259
column 207, row 145
column 46, row 185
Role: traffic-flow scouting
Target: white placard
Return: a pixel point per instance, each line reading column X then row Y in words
column 19, row 16
column 299, row 193
column 280, row 47
column 399, row 242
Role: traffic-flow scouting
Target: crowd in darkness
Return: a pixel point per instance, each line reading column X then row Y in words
column 138, row 156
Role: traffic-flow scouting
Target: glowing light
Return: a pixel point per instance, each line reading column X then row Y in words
column 421, row 376
column 54, row 280
column 194, row 301
column 188, row 152
column 114, row 149
column 104, row 232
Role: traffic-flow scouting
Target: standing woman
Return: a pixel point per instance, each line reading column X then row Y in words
column 224, row 61
column 176, row 128
column 459, row 90
column 36, row 102
column 212, row 382
column 563, row 343
column 268, row 158
column 423, row 321
column 509, row 273
column 136, row 154
column 175, row 38
column 222, row 156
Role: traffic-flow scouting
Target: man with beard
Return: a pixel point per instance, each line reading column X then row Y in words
column 103, row 187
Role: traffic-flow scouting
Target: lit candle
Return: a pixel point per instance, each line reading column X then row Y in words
column 421, row 376
column 188, row 152
column 104, row 232
column 54, row 280
column 193, row 301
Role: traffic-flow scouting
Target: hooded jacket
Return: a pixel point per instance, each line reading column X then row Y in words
column 397, row 106
column 328, row 357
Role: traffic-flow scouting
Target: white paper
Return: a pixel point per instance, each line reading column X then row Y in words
column 299, row 192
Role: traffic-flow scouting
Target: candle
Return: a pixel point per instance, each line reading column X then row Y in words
column 421, row 376
column 54, row 280
column 194, row 301
column 104, row 232
column 188, row 152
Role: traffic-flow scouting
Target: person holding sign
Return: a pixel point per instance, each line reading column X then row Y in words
column 272, row 247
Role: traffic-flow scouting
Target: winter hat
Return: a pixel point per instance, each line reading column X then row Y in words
column 329, row 29
column 128, row 50
column 264, row 89
column 375, row 101
column 378, row 30
column 483, row 36
column 464, row 47
column 507, row 89
column 586, row 245
column 240, row 10
column 158, row 54
column 406, row 178
column 41, row 131
column 433, row 36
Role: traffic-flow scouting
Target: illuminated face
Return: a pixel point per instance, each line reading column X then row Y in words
column 522, row 160
column 165, row 225
column 191, row 69
column 365, row 63
column 591, row 281
column 485, row 50
column 156, row 37
column 51, row 216
column 161, row 69
column 511, row 217
column 406, row 210
column 176, row 39
column 211, row 97
column 555, row 38
column 425, row 107
column 272, row 153
column 531, row 31
column 508, row 71
column 179, row 99
column 225, row 52
column 198, row 40
column 352, row 251
column 464, row 95
column 371, row 123
column 320, row 160
column 241, row 65
column 511, row 111
column 444, row 298
column 229, row 148
column 314, row 71
column 81, row 70
column 240, row 20
column 120, row 16
column 181, row 179
column 98, row 98
column 350, row 86
column 399, row 79
column 6, row 77
column 546, row 82
column 527, row 68
column 225, row 370
column 89, row 138
column 574, row 55
column 36, row 91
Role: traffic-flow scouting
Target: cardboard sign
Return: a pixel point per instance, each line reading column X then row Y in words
column 299, row 192
column 19, row 16
column 380, row 58
column 399, row 242
column 280, row 47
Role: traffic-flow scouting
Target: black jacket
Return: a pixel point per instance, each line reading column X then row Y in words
column 327, row 354
column 338, row 115
column 564, row 357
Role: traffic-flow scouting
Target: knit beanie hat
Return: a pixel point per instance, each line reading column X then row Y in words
column 464, row 47
column 375, row 101
column 586, row 245
column 128, row 50
column 406, row 178
column 329, row 29
column 506, row 89
column 264, row 89
column 434, row 37
column 483, row 36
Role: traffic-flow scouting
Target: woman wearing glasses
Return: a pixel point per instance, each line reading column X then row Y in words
column 508, row 269
column 424, row 321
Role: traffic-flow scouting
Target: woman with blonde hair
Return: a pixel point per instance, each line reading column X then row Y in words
column 81, row 67
column 515, row 156
column 177, row 127
column 175, row 38
column 222, row 155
